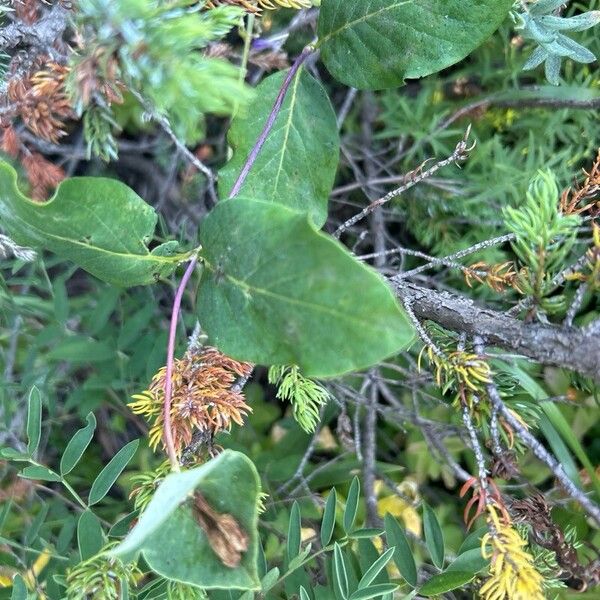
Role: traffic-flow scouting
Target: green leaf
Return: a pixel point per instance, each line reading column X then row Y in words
column 299, row 559
column 374, row 591
column 470, row 561
column 77, row 445
column 434, row 538
column 376, row 568
column 111, row 472
column 294, row 532
column 123, row 525
column 351, row 505
column 6, row 507
column 34, row 420
column 328, row 522
column 269, row 580
column 124, row 591
column 366, row 533
column 65, row 535
column 297, row 165
column 39, row 473
column 100, row 224
column 403, row 556
column 90, row 536
column 445, row 582
column 560, row 450
column 303, row 594
column 176, row 547
column 80, row 349
column 559, row 422
column 13, row 454
column 276, row 291
column 376, row 44
column 339, row 566
column 19, row 591
column 32, row 531
column 473, row 540
column 552, row 423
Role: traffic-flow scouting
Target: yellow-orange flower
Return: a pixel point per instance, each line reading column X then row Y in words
column 512, row 574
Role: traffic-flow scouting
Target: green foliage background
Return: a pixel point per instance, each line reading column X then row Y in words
column 89, row 346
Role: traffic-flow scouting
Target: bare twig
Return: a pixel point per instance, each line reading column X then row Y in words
column 460, row 154
column 450, row 260
column 537, row 448
column 164, row 124
column 42, row 34
column 576, row 304
column 370, row 456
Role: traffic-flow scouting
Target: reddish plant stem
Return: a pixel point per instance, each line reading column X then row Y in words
column 167, row 427
column 260, row 142
column 262, row 138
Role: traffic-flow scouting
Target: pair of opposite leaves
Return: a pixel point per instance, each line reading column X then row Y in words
column 274, row 290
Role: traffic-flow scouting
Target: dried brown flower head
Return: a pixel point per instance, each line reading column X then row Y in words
column 27, row 10
column 498, row 277
column 584, row 198
column 43, row 175
column 11, row 144
column 204, row 398
column 97, row 74
column 40, row 100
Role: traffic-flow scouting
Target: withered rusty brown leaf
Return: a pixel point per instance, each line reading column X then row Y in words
column 225, row 536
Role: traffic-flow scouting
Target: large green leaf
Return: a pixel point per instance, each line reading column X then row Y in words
column 297, row 165
column 176, row 547
column 276, row 291
column 403, row 556
column 376, row 44
column 100, row 224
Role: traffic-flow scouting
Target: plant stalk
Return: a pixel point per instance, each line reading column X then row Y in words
column 260, row 142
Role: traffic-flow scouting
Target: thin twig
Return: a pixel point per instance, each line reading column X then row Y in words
column 576, row 304
column 450, row 260
column 460, row 154
column 537, row 448
column 164, row 124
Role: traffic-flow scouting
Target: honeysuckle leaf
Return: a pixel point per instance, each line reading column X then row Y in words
column 99, row 224
column 175, row 546
column 297, row 165
column 376, row 44
column 277, row 291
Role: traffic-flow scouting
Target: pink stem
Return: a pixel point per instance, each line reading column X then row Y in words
column 260, row 142
column 167, row 427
